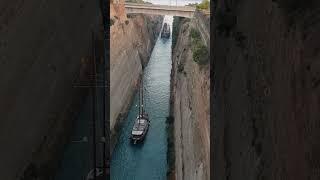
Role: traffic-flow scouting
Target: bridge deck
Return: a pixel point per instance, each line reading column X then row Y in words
column 160, row 7
column 183, row 9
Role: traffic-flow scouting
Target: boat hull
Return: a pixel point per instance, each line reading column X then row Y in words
column 139, row 138
column 165, row 35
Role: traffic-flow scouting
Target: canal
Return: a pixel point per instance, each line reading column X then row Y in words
column 149, row 159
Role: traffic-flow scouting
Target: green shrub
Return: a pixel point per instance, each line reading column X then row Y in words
column 205, row 4
column 180, row 67
column 194, row 34
column 200, row 52
column 111, row 22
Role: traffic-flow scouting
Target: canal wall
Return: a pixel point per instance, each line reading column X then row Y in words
column 132, row 39
column 190, row 87
column 202, row 22
column 266, row 90
column 44, row 49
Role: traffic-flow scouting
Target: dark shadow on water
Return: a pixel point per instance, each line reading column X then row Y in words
column 164, row 40
column 138, row 145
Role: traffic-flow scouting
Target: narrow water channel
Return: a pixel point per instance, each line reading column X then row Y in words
column 147, row 160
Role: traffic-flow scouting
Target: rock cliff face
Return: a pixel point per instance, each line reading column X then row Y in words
column 44, row 49
column 131, row 43
column 190, row 108
column 266, row 118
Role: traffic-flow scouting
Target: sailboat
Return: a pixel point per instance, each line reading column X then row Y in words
column 142, row 122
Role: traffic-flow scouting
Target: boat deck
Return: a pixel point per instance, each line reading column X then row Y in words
column 139, row 127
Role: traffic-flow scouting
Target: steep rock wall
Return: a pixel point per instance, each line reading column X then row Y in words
column 266, row 90
column 44, row 48
column 190, row 106
column 202, row 22
column 131, row 43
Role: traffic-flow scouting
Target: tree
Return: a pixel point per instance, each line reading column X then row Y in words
column 205, row 4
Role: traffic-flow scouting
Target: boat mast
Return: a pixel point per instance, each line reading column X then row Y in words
column 139, row 104
column 142, row 95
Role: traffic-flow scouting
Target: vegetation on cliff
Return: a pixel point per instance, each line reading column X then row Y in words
column 111, row 22
column 204, row 5
column 200, row 53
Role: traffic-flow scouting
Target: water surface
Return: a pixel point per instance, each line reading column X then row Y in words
column 147, row 161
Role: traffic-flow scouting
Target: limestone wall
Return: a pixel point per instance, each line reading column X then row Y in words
column 131, row 43
column 190, row 94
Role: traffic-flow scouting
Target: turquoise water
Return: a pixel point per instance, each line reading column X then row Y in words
column 147, row 161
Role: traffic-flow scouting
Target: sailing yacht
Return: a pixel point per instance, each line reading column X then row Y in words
column 141, row 124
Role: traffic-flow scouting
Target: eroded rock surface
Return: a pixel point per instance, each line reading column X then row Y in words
column 190, row 107
column 132, row 39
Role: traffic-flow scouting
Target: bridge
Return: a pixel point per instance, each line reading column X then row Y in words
column 182, row 11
